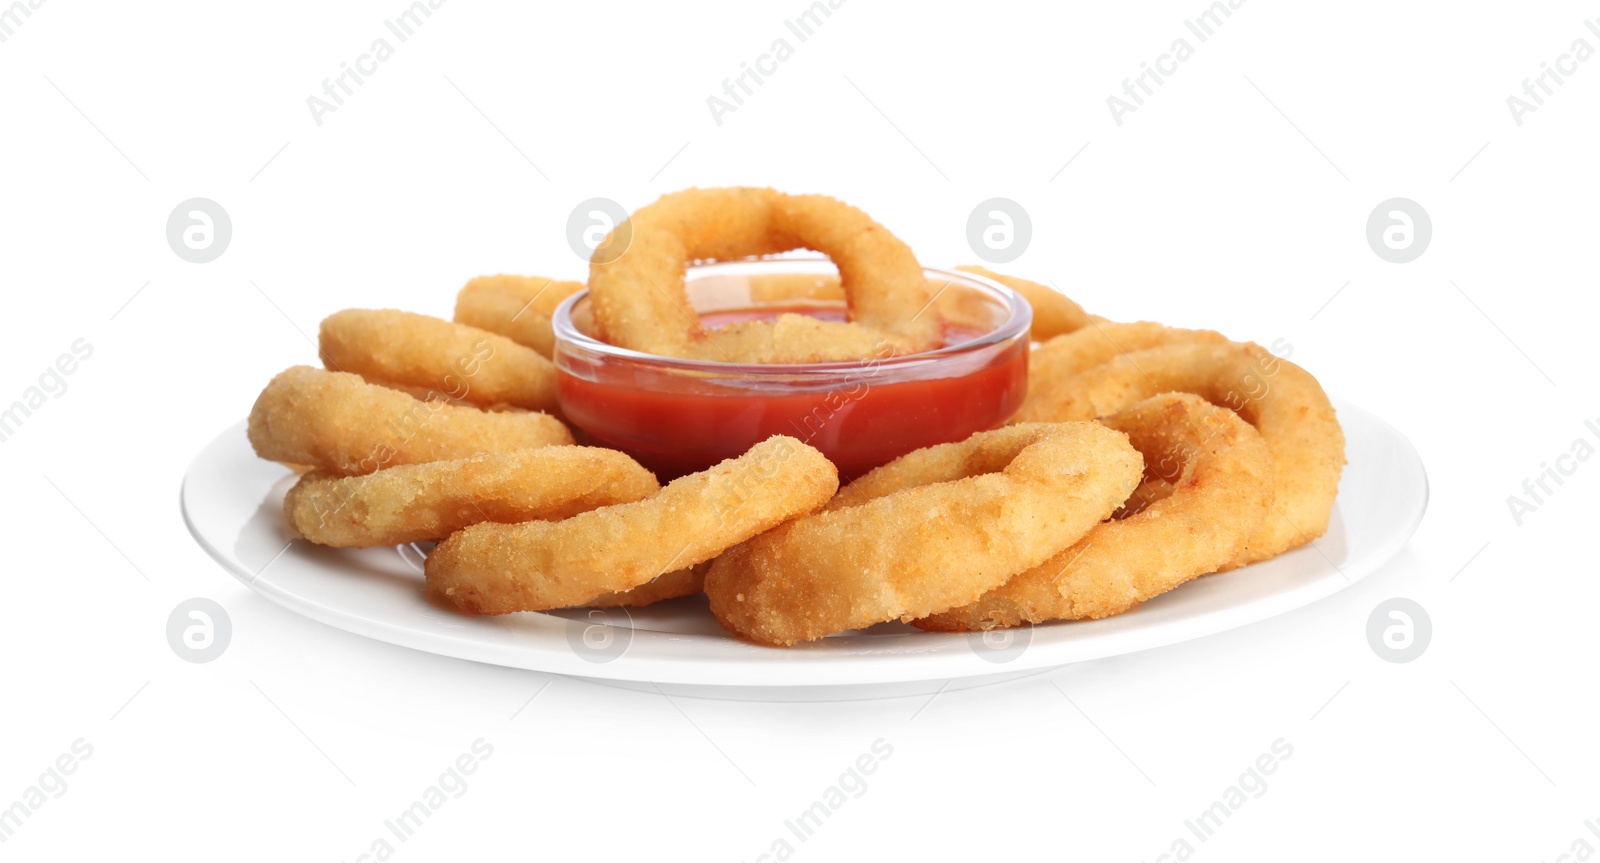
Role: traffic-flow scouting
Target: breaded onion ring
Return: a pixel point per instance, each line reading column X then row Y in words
column 431, row 501
column 672, row 585
column 340, row 424
column 429, row 394
column 639, row 297
column 1054, row 313
column 501, row 568
column 1079, row 351
column 1219, row 473
column 1283, row 401
column 463, row 363
column 959, row 305
column 792, row 338
column 766, row 288
column 517, row 307
column 932, row 530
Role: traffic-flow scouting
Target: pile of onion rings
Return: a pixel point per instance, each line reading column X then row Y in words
column 492, row 568
column 1143, row 457
column 929, row 531
column 1215, row 474
column 1280, row 399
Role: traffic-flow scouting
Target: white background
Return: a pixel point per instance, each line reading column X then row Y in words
column 1236, row 198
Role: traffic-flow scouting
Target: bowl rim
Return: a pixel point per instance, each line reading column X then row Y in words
column 1020, row 320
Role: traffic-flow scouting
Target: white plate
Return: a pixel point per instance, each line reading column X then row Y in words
column 232, row 503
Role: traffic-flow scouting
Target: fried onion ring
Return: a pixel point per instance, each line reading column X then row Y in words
column 431, row 501
column 462, row 362
column 639, row 297
column 1219, row 474
column 501, row 568
column 792, row 338
column 1054, row 313
column 1081, row 350
column 429, row 394
column 672, row 585
column 932, row 530
column 1283, row 401
column 517, row 307
column 766, row 288
column 342, row 425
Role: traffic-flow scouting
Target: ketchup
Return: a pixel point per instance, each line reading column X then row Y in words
column 675, row 425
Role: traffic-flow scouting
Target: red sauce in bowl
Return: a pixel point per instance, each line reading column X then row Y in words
column 862, row 416
column 676, row 426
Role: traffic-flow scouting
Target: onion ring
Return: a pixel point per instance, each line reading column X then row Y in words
column 932, row 530
column 501, row 568
column 1219, row 472
column 682, row 582
column 1283, row 401
column 429, row 394
column 640, row 301
column 462, row 362
column 767, row 288
column 342, row 425
column 792, row 338
column 431, row 501
column 1054, row 313
column 517, row 307
column 1079, row 351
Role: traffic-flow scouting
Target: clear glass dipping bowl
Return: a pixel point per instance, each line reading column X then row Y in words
column 680, row 416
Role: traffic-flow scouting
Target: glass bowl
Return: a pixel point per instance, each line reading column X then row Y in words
column 680, row 416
